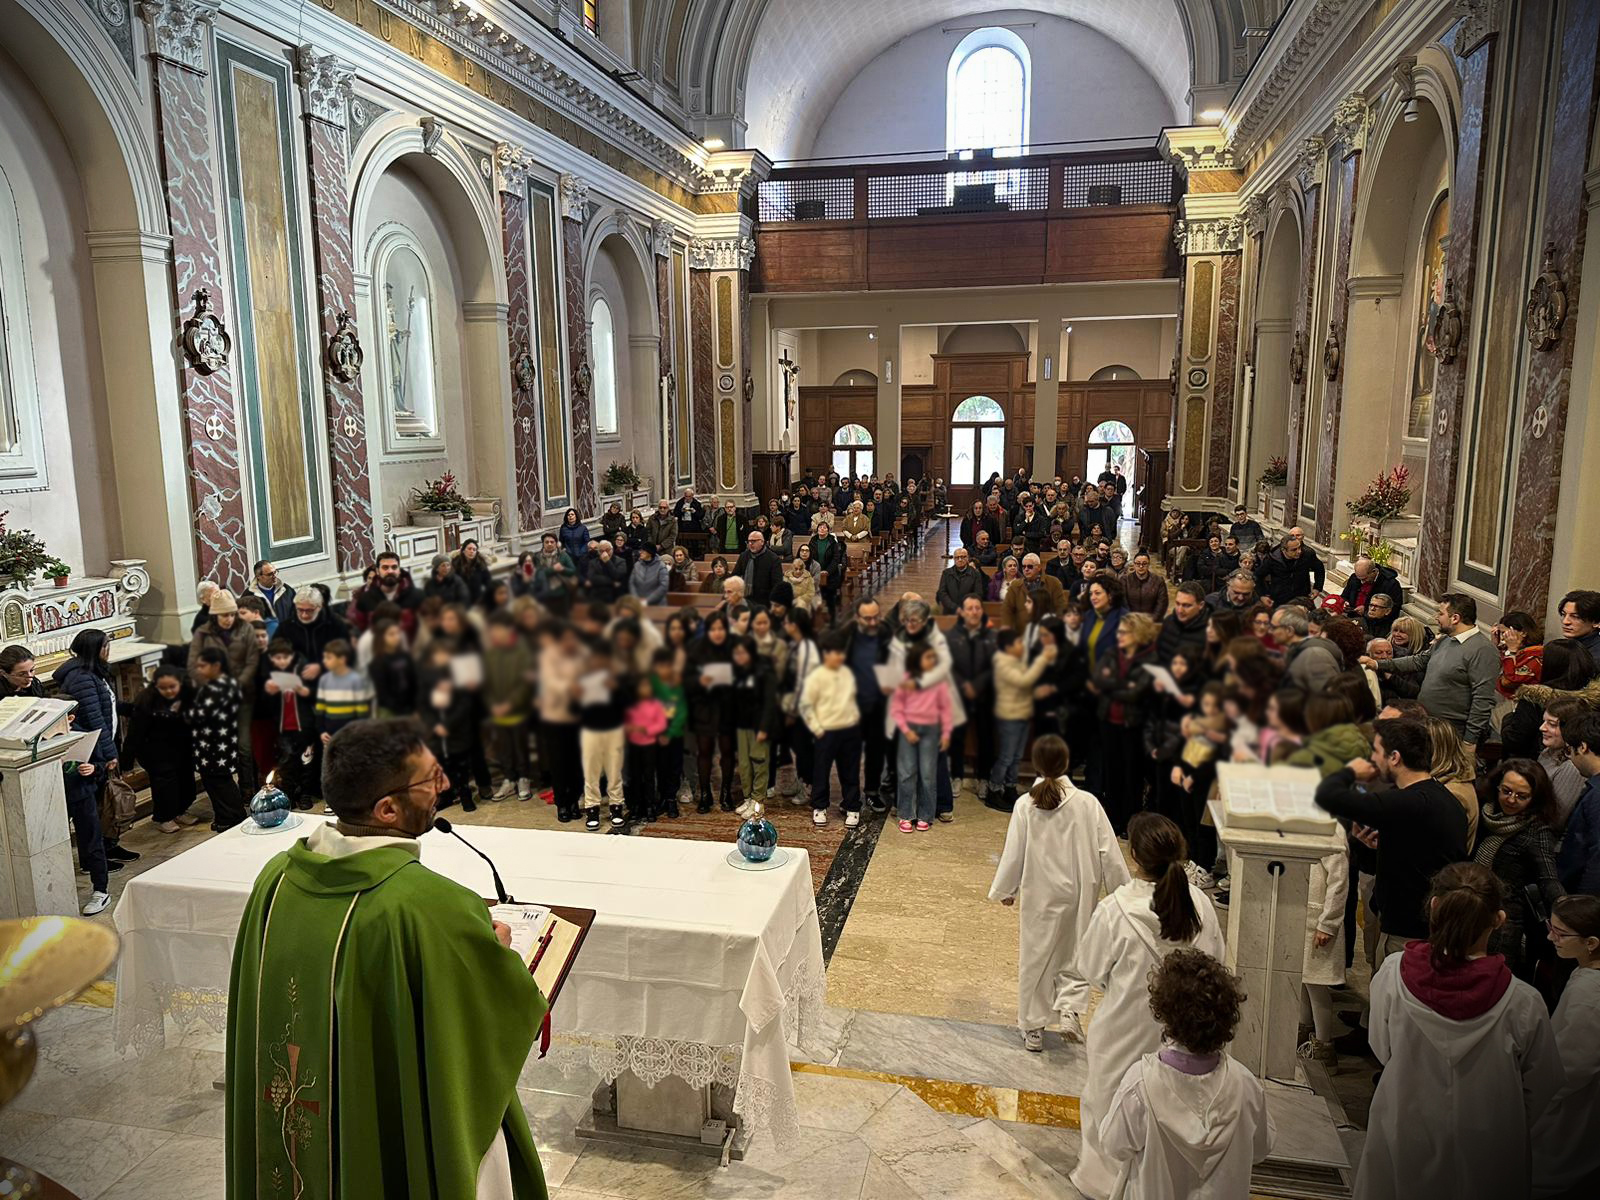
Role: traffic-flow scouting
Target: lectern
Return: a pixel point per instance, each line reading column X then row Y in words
column 1274, row 834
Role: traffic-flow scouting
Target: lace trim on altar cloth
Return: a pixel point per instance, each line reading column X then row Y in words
column 759, row 1102
column 141, row 1023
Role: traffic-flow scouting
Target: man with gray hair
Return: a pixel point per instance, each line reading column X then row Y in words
column 1309, row 662
column 1367, row 582
column 1238, row 594
column 203, row 592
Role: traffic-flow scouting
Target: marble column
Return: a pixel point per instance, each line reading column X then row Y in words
column 512, row 165
column 1210, row 238
column 666, row 384
column 1476, row 50
column 1352, row 119
column 1207, row 351
column 180, row 40
column 1543, row 419
column 325, row 87
column 721, row 268
column 574, row 213
column 1310, row 168
column 705, row 400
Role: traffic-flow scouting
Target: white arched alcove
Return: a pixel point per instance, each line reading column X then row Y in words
column 438, row 205
column 96, row 294
column 619, row 267
column 1268, row 423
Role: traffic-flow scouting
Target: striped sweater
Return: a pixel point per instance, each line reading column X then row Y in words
column 342, row 699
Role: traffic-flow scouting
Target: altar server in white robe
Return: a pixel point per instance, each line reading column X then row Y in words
column 1566, row 1140
column 1188, row 1121
column 1131, row 931
column 1060, row 854
column 1470, row 1063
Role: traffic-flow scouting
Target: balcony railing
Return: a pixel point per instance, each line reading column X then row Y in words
column 1035, row 183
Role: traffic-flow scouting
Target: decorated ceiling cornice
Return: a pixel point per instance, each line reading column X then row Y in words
column 507, row 61
column 1308, row 28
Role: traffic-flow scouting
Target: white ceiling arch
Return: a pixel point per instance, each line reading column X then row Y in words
column 784, row 65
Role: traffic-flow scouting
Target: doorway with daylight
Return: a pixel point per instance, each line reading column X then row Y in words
column 1110, row 445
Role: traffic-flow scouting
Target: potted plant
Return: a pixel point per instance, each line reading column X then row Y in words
column 22, row 554
column 621, row 478
column 58, row 572
column 438, row 502
column 1276, row 473
column 1384, row 499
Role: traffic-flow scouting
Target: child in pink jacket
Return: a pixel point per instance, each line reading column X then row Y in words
column 923, row 716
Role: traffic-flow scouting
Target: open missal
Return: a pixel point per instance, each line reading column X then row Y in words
column 1272, row 798
column 546, row 939
column 25, row 721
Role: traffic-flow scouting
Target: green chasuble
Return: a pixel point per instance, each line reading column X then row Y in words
column 376, row 1031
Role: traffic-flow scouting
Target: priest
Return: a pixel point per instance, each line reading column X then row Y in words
column 377, row 1020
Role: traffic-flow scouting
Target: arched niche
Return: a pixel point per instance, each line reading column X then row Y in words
column 1267, row 424
column 1113, row 371
column 1398, row 249
column 439, row 207
column 997, row 338
column 96, row 293
column 619, row 267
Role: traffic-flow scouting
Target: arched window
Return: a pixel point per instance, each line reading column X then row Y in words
column 1114, row 371
column 1110, row 445
column 987, row 93
column 977, row 441
column 603, row 350
column 852, row 451
column 591, row 15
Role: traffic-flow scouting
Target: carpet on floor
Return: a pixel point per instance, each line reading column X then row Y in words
column 793, row 824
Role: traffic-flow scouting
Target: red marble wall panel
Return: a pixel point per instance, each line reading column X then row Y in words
column 519, row 334
column 1450, row 381
column 705, row 401
column 209, row 412
column 1221, row 434
column 1544, row 411
column 1345, row 176
column 336, row 294
column 585, row 495
column 1302, row 322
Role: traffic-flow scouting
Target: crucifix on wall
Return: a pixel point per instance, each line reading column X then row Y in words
column 791, row 372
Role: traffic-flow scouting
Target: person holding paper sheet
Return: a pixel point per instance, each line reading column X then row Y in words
column 344, row 934
column 1060, row 854
column 710, row 717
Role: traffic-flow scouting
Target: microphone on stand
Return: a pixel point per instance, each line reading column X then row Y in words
column 444, row 826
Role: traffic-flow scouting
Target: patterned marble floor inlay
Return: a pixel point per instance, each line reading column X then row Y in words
column 969, row 1099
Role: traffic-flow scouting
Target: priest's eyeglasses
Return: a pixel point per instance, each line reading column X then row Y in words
column 436, row 777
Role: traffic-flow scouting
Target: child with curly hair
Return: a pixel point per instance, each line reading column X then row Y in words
column 1188, row 1120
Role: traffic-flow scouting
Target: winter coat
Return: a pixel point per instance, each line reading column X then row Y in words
column 1119, row 681
column 662, row 532
column 214, row 723
column 1147, row 595
column 1311, row 662
column 650, row 581
column 160, row 738
column 1286, row 579
column 608, row 577
column 310, row 639
column 238, row 643
column 574, row 539
column 1186, row 637
column 955, row 585
column 452, row 589
column 97, row 707
column 394, row 682
column 1386, row 584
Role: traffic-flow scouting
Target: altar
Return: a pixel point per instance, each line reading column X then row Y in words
column 694, row 974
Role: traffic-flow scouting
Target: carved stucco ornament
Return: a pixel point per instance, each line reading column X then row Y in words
column 206, row 342
column 1297, row 358
column 1547, row 303
column 344, row 350
column 1332, row 353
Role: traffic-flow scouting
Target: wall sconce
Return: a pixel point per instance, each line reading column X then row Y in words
column 1049, row 365
column 888, row 370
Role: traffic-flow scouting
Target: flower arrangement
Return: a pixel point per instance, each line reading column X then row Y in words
column 1386, row 496
column 1363, row 542
column 1276, row 473
column 440, row 496
column 621, row 477
column 22, row 553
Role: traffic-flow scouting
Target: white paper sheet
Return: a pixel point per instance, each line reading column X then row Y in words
column 594, row 688
column 1163, row 677
column 526, row 921
column 889, row 676
column 287, row 681
column 720, row 674
column 466, row 670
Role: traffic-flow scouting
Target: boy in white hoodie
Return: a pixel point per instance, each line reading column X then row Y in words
column 1188, row 1121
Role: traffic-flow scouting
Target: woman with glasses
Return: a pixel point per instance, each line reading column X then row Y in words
column 1515, row 842
column 1566, row 1153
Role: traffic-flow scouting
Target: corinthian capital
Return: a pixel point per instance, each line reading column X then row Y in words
column 722, row 254
column 180, row 30
column 574, row 198
column 325, row 84
column 1352, row 119
column 512, row 165
column 1310, row 163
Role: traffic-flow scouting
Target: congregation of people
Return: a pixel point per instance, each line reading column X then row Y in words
column 1463, row 764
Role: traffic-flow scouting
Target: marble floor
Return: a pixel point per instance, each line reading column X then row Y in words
column 914, row 1084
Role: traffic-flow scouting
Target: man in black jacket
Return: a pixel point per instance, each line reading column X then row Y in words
column 972, row 650
column 867, row 647
column 690, row 512
column 829, row 554
column 759, row 568
column 1368, row 580
column 958, row 581
column 1032, row 526
column 1421, row 827
column 1289, row 573
column 1184, row 629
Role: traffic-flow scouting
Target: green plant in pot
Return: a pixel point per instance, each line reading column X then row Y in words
column 58, row 572
column 621, row 478
column 22, row 554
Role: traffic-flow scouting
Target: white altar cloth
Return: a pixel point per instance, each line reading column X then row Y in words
column 692, row 969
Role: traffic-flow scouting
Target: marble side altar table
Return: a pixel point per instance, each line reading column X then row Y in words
column 692, row 985
column 1271, row 873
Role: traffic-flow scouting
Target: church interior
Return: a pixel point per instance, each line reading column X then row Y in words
column 298, row 291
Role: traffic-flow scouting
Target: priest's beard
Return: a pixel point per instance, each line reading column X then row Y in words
column 416, row 819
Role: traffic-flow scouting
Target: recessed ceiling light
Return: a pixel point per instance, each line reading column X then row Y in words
column 1213, row 114
column 713, row 143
